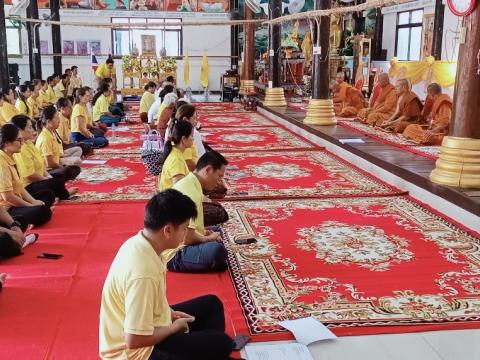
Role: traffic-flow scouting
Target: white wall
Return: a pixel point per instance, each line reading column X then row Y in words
column 212, row 40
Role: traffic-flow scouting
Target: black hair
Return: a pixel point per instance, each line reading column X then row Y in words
column 168, row 207
column 180, row 103
column 166, row 90
column 67, row 70
column 27, row 83
column 5, row 93
column 47, row 114
column 80, row 92
column 179, row 92
column 35, row 82
column 106, row 81
column 43, row 82
column 21, row 90
column 20, row 121
column 64, row 76
column 8, row 133
column 109, row 61
column 104, row 87
column 149, row 85
column 170, row 78
column 180, row 128
column 185, row 111
column 62, row 102
column 212, row 158
column 74, row 67
column 50, row 79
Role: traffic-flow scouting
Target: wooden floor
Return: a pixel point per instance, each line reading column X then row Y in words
column 409, row 166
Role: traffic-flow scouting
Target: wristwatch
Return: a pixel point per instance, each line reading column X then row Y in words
column 15, row 223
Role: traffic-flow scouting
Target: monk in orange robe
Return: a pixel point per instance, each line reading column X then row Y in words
column 384, row 106
column 348, row 101
column 440, row 115
column 408, row 111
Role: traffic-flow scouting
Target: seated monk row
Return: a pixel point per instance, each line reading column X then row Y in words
column 439, row 116
column 347, row 100
column 384, row 106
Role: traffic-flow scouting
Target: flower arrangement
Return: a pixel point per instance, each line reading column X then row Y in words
column 130, row 63
column 168, row 64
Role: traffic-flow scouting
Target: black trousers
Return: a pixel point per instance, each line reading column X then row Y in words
column 8, row 246
column 34, row 215
column 55, row 184
column 67, row 173
column 206, row 339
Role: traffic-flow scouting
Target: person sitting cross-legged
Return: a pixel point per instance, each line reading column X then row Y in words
column 202, row 250
column 136, row 320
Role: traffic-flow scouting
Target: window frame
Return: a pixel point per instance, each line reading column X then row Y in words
column 408, row 26
column 169, row 24
column 19, row 30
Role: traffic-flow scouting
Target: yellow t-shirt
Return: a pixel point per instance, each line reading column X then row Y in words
column 33, row 107
column 9, row 178
column 160, row 109
column 51, row 95
column 43, row 98
column 2, row 120
column 146, row 102
column 59, row 90
column 100, row 107
column 79, row 110
column 29, row 162
column 48, row 145
column 104, row 72
column 64, row 128
column 190, row 186
column 22, row 108
column 191, row 153
column 174, row 165
column 134, row 299
column 8, row 111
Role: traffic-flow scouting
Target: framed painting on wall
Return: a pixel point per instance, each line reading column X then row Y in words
column 148, row 45
column 68, row 47
column 427, row 35
column 43, row 47
column 82, row 47
column 95, row 47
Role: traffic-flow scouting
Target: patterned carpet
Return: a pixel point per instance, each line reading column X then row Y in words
column 234, row 119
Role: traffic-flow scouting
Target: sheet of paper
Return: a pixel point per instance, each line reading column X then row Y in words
column 351, row 141
column 290, row 351
column 308, row 330
column 94, row 162
column 122, row 128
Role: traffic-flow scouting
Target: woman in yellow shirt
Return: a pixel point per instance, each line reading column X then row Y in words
column 148, row 98
column 29, row 208
column 8, row 109
column 60, row 163
column 21, row 103
column 101, row 105
column 31, row 164
column 32, row 102
column 80, row 121
column 44, row 98
column 174, row 166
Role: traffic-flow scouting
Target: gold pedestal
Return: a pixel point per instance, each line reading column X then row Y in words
column 320, row 112
column 249, row 86
column 241, row 91
column 459, row 163
column 274, row 97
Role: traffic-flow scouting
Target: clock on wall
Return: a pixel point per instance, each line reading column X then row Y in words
column 462, row 7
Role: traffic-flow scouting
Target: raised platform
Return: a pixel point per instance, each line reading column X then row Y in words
column 411, row 167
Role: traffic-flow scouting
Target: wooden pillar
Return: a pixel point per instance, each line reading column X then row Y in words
column 274, row 95
column 459, row 162
column 320, row 107
column 248, row 80
column 438, row 30
column 4, row 73
column 378, row 36
column 56, row 36
column 34, row 42
column 234, row 32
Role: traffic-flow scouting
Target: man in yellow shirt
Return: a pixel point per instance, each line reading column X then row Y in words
column 106, row 70
column 202, row 250
column 136, row 321
column 148, row 98
column 50, row 92
column 61, row 87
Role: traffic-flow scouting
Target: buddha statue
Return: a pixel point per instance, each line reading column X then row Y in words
column 335, row 31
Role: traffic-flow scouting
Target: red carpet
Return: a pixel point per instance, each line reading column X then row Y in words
column 359, row 265
column 255, row 139
column 234, row 119
column 298, row 174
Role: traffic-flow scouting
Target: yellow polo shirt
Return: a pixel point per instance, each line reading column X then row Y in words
column 48, row 145
column 100, row 107
column 29, row 162
column 40, row 100
column 22, row 108
column 64, row 128
column 2, row 120
column 146, row 102
column 8, row 111
column 174, row 165
column 104, row 72
column 79, row 110
column 190, row 186
column 33, row 107
column 9, row 178
column 59, row 91
column 52, row 99
column 191, row 153
column 43, row 96
column 134, row 299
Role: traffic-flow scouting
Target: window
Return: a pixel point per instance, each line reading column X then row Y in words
column 14, row 39
column 169, row 36
column 409, row 35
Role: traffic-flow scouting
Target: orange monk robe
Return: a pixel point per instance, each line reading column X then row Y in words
column 339, row 96
column 383, row 108
column 441, row 112
column 352, row 102
column 409, row 106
